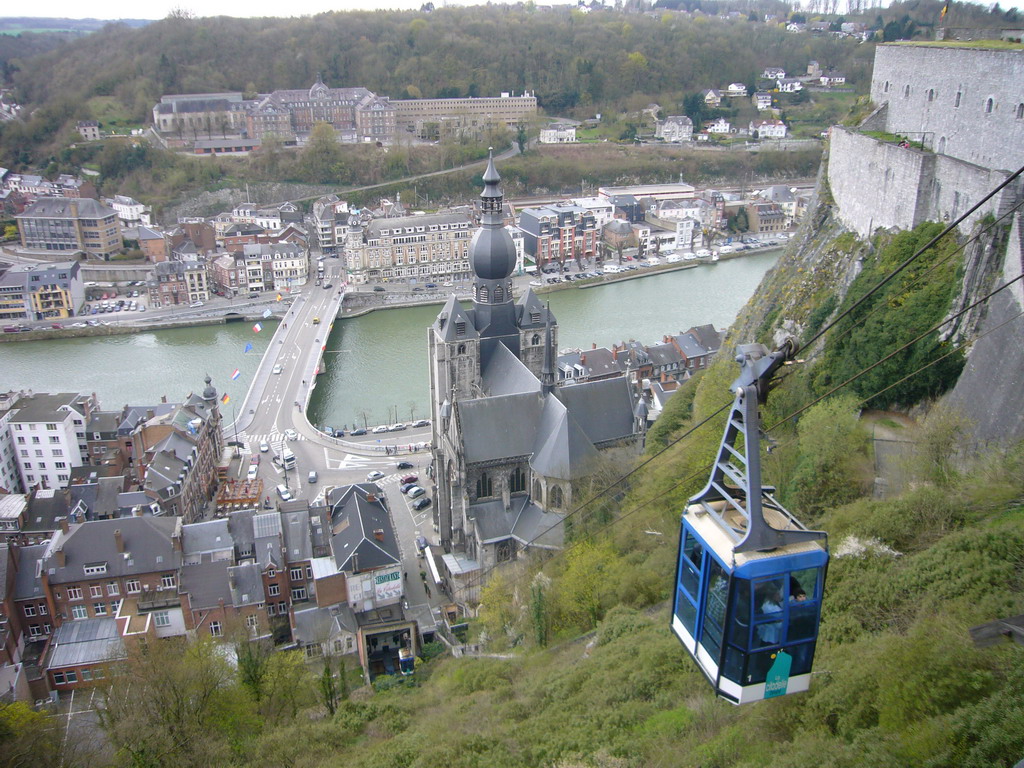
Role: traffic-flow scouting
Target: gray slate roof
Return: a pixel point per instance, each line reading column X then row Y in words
column 27, row 582
column 563, row 452
column 246, row 583
column 505, row 374
column 206, row 583
column 354, row 522
column 147, row 548
column 523, row 520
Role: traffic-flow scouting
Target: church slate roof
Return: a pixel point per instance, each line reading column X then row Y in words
column 505, row 374
column 523, row 521
column 530, row 311
column 563, row 450
column 603, row 409
column 447, row 325
column 495, row 428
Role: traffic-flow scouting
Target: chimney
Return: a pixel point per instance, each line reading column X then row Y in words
column 59, row 556
column 150, row 413
column 64, row 524
column 378, row 534
column 371, row 497
column 119, row 540
column 593, row 345
column 136, row 511
column 163, row 398
column 615, row 352
column 583, row 359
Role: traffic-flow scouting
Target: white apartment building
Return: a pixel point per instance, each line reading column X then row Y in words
column 430, row 247
column 558, row 133
column 601, row 208
column 289, row 265
column 49, row 436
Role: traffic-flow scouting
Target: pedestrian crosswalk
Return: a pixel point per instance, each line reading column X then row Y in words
column 275, row 440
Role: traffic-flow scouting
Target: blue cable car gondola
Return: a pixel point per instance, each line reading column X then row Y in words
column 749, row 577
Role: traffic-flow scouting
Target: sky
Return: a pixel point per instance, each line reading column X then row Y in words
column 158, row 9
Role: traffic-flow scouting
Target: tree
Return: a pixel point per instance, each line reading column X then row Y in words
column 619, row 235
column 10, row 232
column 521, row 137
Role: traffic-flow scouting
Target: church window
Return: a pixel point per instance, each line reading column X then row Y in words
column 499, row 294
column 906, row 91
column 503, row 552
column 517, row 481
column 556, row 497
column 460, row 327
column 931, row 94
column 537, row 490
column 1020, row 111
column 534, row 316
column 484, row 486
column 461, row 349
column 536, row 339
column 481, row 293
column 989, row 104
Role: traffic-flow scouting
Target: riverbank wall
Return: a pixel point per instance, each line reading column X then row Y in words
column 44, row 334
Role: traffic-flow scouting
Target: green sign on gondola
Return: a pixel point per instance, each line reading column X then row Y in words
column 777, row 681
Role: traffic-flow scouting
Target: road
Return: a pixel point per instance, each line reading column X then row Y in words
column 276, row 402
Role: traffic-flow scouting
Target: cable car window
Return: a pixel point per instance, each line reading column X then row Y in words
column 689, row 573
column 768, row 596
column 714, row 608
column 803, row 585
column 739, row 624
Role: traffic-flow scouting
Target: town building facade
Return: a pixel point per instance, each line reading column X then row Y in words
column 70, row 226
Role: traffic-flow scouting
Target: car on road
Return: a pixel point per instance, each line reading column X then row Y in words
column 316, row 321
column 312, row 478
column 421, row 423
column 421, row 542
column 284, row 493
column 415, row 492
column 374, row 476
column 380, row 429
column 410, row 479
column 357, row 432
column 379, row 288
column 291, row 434
column 253, row 473
column 421, row 503
column 403, row 465
column 328, row 286
column 278, row 368
column 449, row 284
column 396, row 427
column 264, row 447
column 195, row 304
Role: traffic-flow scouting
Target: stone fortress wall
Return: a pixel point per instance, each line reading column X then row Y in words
column 965, row 105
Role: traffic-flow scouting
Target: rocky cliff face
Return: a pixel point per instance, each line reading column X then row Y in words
column 809, row 282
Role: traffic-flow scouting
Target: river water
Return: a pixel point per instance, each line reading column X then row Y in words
column 376, row 364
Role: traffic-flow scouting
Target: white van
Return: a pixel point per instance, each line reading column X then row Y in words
column 611, row 269
column 284, row 493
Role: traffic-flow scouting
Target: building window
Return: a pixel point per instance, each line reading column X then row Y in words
column 989, row 105
column 252, row 621
column 42, row 609
column 271, row 609
column 30, row 610
column 71, row 677
column 162, row 619
column 906, row 91
column 115, row 605
column 79, row 612
column 112, row 588
column 86, row 675
column 1020, row 111
column 484, row 486
column 215, row 629
column 167, row 581
column 517, row 480
column 74, row 593
column 51, row 427
column 58, row 678
column 99, row 609
column 298, row 594
column 309, row 571
column 556, row 497
column 132, row 586
column 96, row 590
column 34, row 631
column 273, row 590
column 295, row 574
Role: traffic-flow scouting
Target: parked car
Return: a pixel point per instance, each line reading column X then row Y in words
column 421, row 503
column 380, row 429
column 421, row 423
column 415, row 492
column 374, row 476
column 431, row 285
column 396, row 427
column 254, row 470
column 358, row 432
column 379, row 288
column 410, row 479
column 403, row 465
column 329, row 431
column 406, row 487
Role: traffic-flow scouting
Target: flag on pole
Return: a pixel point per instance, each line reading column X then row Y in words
column 257, row 328
column 236, row 374
column 225, row 398
column 279, row 297
column 267, row 313
column 248, row 348
column 944, row 9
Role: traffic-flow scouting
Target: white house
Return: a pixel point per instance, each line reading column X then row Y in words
column 736, row 89
column 602, row 209
column 129, row 210
column 768, row 129
column 558, row 133
column 712, row 97
column 688, row 234
column 773, row 73
column 762, row 100
column 789, row 85
column 721, row 125
column 674, row 128
column 832, row 78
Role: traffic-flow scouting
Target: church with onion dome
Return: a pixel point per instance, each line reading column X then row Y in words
column 511, row 447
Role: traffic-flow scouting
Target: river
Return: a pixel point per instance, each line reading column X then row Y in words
column 377, row 363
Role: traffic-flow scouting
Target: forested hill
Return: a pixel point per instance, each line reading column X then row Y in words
column 569, row 59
